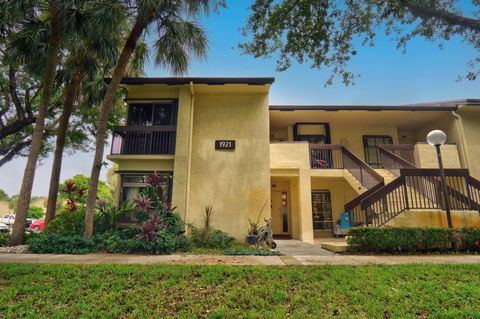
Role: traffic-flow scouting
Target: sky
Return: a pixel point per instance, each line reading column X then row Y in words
column 387, row 76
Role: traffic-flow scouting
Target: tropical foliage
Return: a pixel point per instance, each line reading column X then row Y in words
column 145, row 225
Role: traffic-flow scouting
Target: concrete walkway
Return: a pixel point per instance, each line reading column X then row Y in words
column 292, row 247
column 237, row 260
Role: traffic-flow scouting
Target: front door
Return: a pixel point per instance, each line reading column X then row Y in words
column 280, row 213
column 372, row 154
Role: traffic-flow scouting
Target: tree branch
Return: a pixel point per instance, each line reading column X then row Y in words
column 14, row 151
column 13, row 93
column 427, row 12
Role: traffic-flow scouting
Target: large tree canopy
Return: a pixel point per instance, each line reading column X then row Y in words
column 326, row 32
column 23, row 52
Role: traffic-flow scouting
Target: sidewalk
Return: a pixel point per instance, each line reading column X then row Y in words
column 237, row 260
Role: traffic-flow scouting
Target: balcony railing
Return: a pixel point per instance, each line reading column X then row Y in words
column 326, row 156
column 143, row 140
column 404, row 151
column 421, row 189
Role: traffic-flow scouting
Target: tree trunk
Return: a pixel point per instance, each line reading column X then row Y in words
column 71, row 94
column 29, row 174
column 117, row 76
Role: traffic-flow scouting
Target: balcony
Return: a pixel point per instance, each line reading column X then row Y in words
column 323, row 156
column 143, row 140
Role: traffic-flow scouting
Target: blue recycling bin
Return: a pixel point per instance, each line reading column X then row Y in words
column 346, row 220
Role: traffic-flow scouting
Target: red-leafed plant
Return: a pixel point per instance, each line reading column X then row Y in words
column 72, row 193
column 149, row 229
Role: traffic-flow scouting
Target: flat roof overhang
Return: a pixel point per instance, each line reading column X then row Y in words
column 197, row 80
column 433, row 106
column 360, row 108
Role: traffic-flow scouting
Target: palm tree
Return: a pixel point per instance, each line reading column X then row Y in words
column 56, row 28
column 177, row 39
column 96, row 48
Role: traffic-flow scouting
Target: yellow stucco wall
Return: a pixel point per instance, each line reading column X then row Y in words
column 435, row 218
column 236, row 183
column 426, row 156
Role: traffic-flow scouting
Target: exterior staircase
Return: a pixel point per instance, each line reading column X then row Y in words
column 386, row 174
column 354, row 182
column 399, row 186
column 408, row 187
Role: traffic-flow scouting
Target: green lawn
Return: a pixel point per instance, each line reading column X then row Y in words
column 131, row 291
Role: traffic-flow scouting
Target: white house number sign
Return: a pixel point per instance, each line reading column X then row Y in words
column 224, row 144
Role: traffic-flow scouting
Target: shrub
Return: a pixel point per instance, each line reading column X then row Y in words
column 212, row 239
column 35, row 212
column 413, row 240
column 108, row 214
column 4, row 239
column 207, row 237
column 68, row 222
column 51, row 243
column 163, row 243
column 470, row 238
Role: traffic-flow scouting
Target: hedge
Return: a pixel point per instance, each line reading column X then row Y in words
column 413, row 240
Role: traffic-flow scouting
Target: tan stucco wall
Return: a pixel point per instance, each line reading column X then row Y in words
column 182, row 150
column 236, row 183
column 347, row 135
column 470, row 118
column 426, row 156
column 434, row 218
column 289, row 155
column 450, row 126
column 151, row 164
column 352, row 136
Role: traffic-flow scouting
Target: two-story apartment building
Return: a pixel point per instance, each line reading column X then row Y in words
column 302, row 165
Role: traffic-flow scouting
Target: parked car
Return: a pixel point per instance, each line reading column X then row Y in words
column 28, row 222
column 37, row 225
column 7, row 219
column 4, row 228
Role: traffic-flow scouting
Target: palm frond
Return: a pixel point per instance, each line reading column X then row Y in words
column 178, row 40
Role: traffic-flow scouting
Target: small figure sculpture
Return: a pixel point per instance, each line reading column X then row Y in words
column 265, row 234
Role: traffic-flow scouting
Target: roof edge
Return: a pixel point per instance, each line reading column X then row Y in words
column 196, row 80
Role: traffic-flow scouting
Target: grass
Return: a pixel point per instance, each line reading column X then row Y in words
column 162, row 291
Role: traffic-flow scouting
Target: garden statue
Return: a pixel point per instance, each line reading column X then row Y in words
column 265, row 234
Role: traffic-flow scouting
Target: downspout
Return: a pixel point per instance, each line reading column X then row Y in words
column 463, row 136
column 189, row 154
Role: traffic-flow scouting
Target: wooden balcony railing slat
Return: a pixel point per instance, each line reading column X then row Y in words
column 143, row 140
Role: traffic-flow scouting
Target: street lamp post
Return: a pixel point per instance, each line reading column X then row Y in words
column 438, row 138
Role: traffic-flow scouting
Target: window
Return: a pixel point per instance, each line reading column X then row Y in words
column 148, row 114
column 322, row 210
column 133, row 183
column 314, row 133
column 372, row 154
